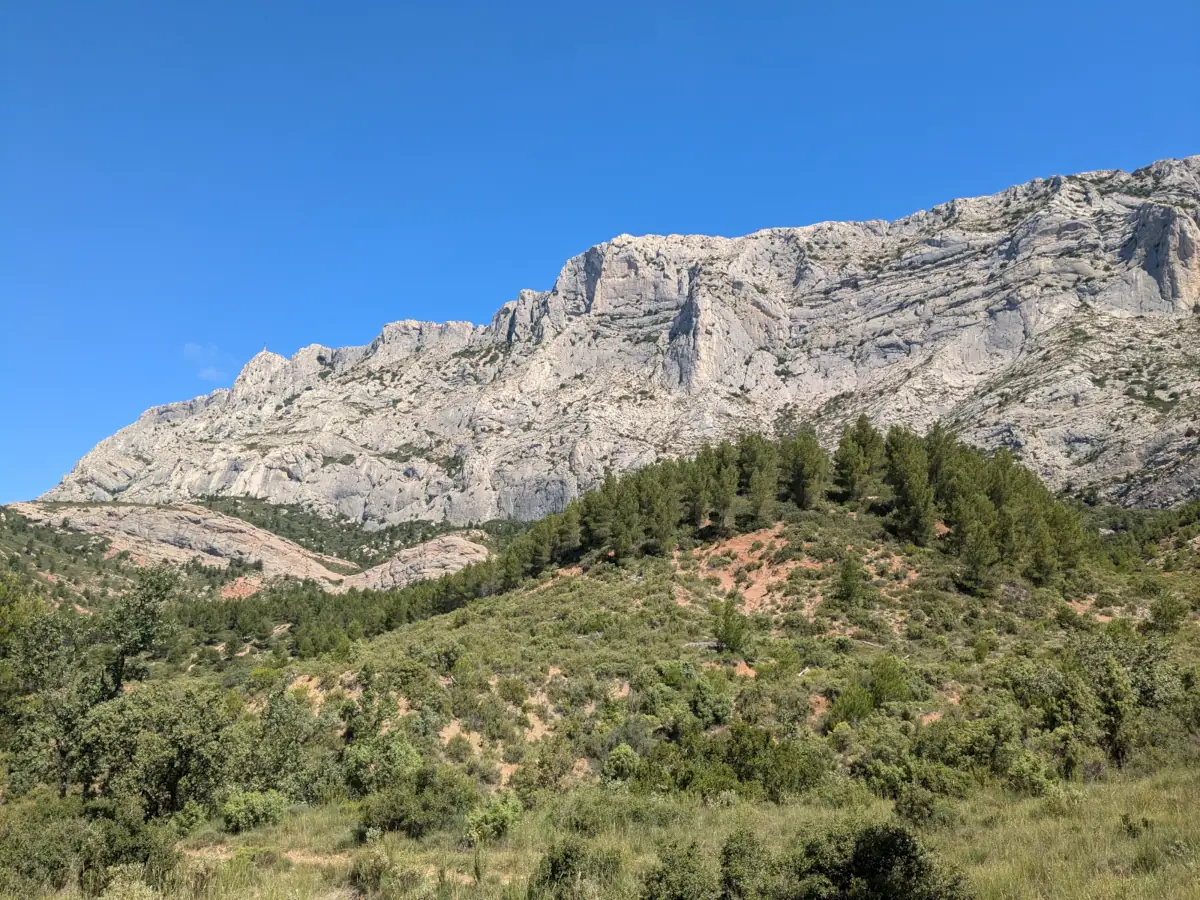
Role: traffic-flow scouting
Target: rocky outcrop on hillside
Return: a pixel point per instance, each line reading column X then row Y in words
column 176, row 535
column 443, row 555
column 1057, row 317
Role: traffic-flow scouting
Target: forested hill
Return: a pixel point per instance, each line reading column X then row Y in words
column 903, row 669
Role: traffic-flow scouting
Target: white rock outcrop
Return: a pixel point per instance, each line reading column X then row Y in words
column 1057, row 317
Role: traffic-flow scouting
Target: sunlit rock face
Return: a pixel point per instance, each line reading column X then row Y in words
column 1058, row 318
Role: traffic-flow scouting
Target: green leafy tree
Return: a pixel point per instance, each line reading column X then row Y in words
column 135, row 623
column 1118, row 706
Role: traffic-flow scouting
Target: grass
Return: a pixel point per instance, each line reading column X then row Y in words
column 1092, row 844
column 1080, row 849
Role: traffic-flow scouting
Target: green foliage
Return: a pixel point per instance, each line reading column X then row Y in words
column 431, row 799
column 244, row 810
column 681, row 873
column 806, row 468
column 730, row 627
column 859, row 461
column 570, row 870
column 973, row 671
column 908, row 476
column 873, row 861
column 622, row 763
column 493, row 820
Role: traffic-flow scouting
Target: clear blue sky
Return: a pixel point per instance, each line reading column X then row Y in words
column 181, row 183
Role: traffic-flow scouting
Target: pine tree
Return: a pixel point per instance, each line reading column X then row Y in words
column 759, row 464
column 660, row 506
column 858, row 462
column 599, row 507
column 908, row 476
column 851, row 577
column 569, row 530
column 699, row 486
column 627, row 530
column 726, row 485
column 807, row 469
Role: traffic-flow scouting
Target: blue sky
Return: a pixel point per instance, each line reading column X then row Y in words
column 181, row 183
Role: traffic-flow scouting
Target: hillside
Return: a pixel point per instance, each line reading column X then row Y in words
column 79, row 548
column 757, row 672
column 1056, row 318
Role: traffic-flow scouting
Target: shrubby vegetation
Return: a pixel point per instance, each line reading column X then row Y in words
column 780, row 674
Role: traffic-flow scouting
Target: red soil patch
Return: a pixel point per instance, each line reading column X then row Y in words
column 930, row 717
column 241, row 588
column 1084, row 608
column 742, row 670
column 764, row 578
column 818, row 705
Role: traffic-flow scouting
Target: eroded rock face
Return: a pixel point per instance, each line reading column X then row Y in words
column 443, row 555
column 1057, row 317
column 175, row 535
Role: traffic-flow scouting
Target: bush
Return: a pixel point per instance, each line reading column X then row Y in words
column 570, row 870
column 852, row 705
column 743, row 866
column 621, row 764
column 430, row 799
column 369, row 867
column 493, row 820
column 877, row 861
column 244, row 810
column 681, row 874
column 125, row 883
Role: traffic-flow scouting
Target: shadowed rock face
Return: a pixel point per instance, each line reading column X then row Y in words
column 1057, row 318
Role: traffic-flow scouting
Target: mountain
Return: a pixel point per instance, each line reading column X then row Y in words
column 1057, row 318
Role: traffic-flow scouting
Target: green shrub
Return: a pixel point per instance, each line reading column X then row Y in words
column 244, row 810
column 681, row 873
column 622, row 763
column 570, row 870
column 491, row 821
column 430, row 799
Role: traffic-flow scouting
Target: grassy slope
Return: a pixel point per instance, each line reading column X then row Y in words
column 576, row 641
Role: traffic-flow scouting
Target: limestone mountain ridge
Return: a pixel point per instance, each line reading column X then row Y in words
column 1058, row 318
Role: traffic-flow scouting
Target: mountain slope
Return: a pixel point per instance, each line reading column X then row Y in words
column 1054, row 318
column 177, row 535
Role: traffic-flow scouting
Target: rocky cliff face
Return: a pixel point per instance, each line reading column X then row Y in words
column 1058, row 318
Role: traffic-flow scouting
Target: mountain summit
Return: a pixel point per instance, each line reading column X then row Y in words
column 1058, row 318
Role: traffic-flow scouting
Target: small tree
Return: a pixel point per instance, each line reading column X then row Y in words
column 850, row 582
column 730, row 627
